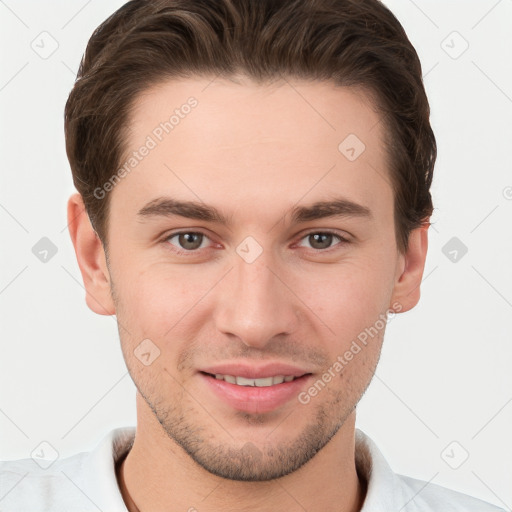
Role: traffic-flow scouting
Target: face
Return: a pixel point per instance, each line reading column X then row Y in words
column 256, row 280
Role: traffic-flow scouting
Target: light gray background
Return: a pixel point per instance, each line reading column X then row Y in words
column 444, row 374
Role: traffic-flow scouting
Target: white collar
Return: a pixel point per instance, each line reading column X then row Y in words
column 386, row 490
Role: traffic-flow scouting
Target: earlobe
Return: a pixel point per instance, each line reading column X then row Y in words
column 90, row 256
column 410, row 269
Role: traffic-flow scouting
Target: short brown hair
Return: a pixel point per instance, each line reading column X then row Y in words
column 356, row 43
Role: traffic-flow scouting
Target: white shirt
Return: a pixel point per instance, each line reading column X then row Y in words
column 86, row 482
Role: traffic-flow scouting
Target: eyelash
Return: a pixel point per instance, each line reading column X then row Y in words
column 184, row 252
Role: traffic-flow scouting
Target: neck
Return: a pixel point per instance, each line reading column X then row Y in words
column 158, row 475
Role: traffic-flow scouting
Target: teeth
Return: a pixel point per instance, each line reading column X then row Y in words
column 242, row 381
column 261, row 383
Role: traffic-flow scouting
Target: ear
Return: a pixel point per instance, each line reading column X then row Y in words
column 410, row 268
column 91, row 258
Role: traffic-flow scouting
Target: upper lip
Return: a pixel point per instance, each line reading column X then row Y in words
column 252, row 371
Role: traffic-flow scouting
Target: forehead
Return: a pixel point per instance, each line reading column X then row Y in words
column 243, row 111
column 244, row 142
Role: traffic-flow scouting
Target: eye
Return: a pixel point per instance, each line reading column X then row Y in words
column 187, row 241
column 321, row 240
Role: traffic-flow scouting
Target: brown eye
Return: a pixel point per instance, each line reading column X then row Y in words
column 187, row 240
column 321, row 240
column 190, row 240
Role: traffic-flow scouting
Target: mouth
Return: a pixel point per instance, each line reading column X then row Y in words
column 263, row 382
column 255, row 394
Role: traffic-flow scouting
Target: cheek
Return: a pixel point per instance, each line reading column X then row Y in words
column 164, row 306
column 160, row 300
column 349, row 297
column 157, row 302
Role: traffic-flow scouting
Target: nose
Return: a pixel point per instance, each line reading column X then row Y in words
column 255, row 303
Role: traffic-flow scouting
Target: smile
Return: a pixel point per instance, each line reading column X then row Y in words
column 260, row 383
column 256, row 394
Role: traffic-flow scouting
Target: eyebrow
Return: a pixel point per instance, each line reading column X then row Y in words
column 169, row 207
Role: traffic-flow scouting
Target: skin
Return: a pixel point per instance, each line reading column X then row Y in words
column 254, row 152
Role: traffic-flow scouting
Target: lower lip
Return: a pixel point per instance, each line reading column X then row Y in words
column 253, row 399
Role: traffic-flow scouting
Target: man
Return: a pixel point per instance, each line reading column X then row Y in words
column 253, row 196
